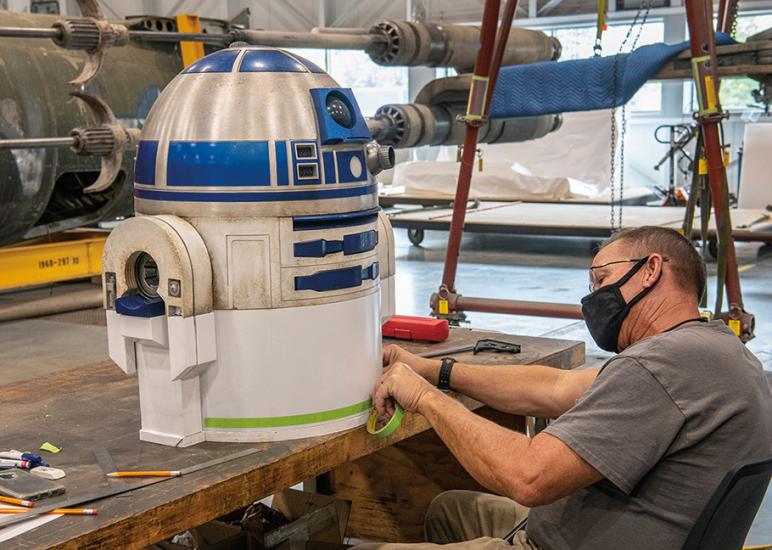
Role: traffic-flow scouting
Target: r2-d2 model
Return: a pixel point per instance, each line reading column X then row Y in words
column 247, row 292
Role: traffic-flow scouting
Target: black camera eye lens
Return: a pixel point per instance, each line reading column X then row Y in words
column 339, row 110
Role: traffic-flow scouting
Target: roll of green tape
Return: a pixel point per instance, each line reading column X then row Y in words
column 390, row 426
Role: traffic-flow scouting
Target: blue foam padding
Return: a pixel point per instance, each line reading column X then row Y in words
column 552, row 87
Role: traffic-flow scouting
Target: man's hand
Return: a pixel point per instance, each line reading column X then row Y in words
column 401, row 384
column 428, row 368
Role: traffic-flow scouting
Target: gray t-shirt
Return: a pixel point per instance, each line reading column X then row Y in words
column 663, row 422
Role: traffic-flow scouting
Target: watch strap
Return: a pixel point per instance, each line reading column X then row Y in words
column 445, row 369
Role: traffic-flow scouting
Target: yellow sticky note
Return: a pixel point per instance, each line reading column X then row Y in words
column 710, row 93
column 443, row 307
column 50, row 447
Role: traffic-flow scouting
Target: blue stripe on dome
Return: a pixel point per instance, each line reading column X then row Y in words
column 218, row 163
column 144, row 167
column 257, row 196
column 270, row 61
column 218, row 62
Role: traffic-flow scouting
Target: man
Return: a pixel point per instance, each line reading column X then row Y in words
column 637, row 447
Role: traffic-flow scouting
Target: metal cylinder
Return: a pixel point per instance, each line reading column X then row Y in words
column 415, row 124
column 77, row 34
column 414, row 43
column 280, row 39
column 519, row 307
column 32, row 143
column 98, row 141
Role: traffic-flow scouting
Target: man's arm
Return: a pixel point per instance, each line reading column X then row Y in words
column 530, row 471
column 532, row 390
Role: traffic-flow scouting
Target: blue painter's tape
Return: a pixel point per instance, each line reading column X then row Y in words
column 345, row 160
column 217, row 62
column 270, row 61
column 358, row 243
column 336, row 279
column 218, row 163
column 282, row 175
column 355, row 243
column 327, row 221
column 257, row 196
column 330, row 132
column 329, row 167
column 144, row 167
column 139, row 306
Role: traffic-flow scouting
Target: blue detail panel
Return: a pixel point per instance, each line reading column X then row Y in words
column 329, row 167
column 328, row 221
column 270, row 61
column 344, row 159
column 282, row 176
column 313, row 67
column 317, row 249
column 305, row 162
column 144, row 167
column 337, row 279
column 257, row 196
column 356, row 243
column 139, row 306
column 217, row 62
column 330, row 132
column 218, row 163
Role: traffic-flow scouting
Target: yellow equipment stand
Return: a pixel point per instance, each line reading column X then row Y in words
column 73, row 255
column 191, row 51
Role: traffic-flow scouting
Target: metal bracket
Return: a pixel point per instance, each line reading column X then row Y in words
column 108, row 139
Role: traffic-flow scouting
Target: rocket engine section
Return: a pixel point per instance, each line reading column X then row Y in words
column 432, row 119
column 249, row 291
column 412, row 43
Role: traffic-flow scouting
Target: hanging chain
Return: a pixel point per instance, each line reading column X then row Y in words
column 644, row 9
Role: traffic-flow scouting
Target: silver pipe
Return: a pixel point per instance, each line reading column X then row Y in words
column 154, row 36
column 30, row 32
column 335, row 41
column 36, row 142
column 59, row 303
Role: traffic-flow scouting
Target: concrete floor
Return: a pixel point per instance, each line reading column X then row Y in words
column 532, row 268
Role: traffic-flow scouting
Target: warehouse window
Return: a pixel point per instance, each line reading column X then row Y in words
column 735, row 94
column 372, row 84
column 578, row 42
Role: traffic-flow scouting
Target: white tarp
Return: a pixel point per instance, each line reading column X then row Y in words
column 573, row 162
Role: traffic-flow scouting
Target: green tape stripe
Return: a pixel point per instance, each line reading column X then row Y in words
column 292, row 420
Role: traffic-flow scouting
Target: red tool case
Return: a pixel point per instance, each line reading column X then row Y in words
column 422, row 329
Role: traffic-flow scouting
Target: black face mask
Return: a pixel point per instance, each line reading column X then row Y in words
column 605, row 309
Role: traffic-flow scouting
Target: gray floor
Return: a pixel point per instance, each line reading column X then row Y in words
column 532, row 268
column 555, row 269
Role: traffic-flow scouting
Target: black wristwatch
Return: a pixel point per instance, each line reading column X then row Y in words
column 445, row 368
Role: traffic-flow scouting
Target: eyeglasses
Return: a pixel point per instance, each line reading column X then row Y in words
column 594, row 283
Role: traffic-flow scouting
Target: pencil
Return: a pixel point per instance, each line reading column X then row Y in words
column 66, row 511
column 11, row 500
column 160, row 473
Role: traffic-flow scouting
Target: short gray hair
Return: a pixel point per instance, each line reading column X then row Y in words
column 685, row 262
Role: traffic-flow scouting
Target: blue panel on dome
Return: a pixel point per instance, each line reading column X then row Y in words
column 345, row 162
column 144, row 167
column 217, row 62
column 313, row 67
column 270, row 61
column 331, row 131
column 282, row 176
column 329, row 167
column 218, row 163
column 254, row 196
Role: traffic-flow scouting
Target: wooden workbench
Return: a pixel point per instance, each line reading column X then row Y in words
column 97, row 406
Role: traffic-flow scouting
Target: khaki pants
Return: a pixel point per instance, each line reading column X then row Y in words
column 465, row 520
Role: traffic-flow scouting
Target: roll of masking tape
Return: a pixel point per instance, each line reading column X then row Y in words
column 391, row 425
